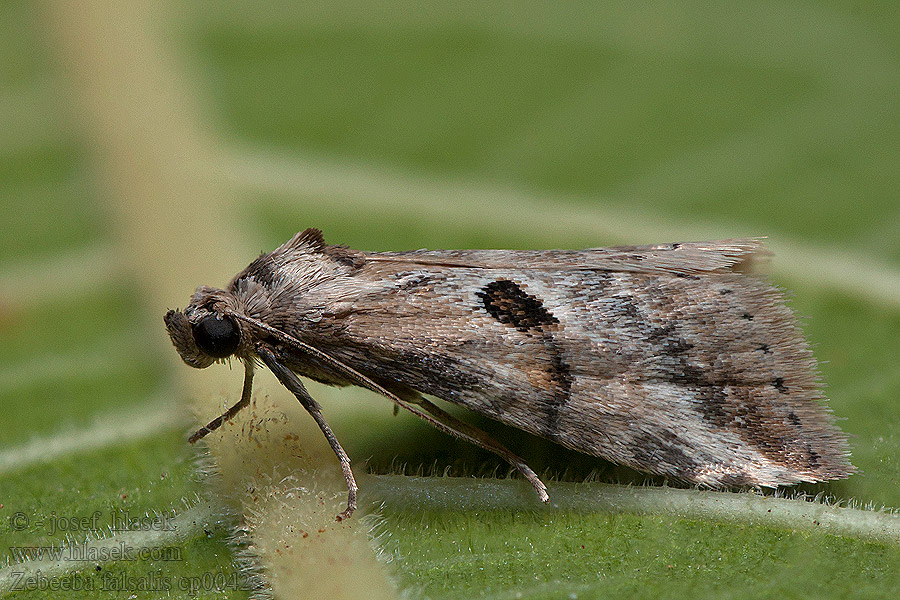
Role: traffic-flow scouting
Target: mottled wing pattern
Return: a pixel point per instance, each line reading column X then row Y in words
column 663, row 358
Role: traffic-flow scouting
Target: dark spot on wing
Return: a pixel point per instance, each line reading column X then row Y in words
column 687, row 276
column 726, row 291
column 509, row 304
column 764, row 348
column 778, row 384
column 747, row 316
column 793, row 418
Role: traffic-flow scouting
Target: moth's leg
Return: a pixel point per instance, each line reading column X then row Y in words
column 290, row 380
column 470, row 433
column 244, row 401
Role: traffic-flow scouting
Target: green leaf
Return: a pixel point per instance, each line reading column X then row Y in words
column 405, row 125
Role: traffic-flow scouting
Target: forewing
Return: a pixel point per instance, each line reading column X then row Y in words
column 661, row 357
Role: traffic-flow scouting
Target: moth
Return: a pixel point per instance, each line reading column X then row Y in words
column 670, row 359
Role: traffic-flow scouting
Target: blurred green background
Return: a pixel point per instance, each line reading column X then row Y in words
column 397, row 125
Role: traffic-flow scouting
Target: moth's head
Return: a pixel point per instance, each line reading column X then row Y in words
column 203, row 332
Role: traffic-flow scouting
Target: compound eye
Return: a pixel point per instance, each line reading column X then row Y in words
column 217, row 336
